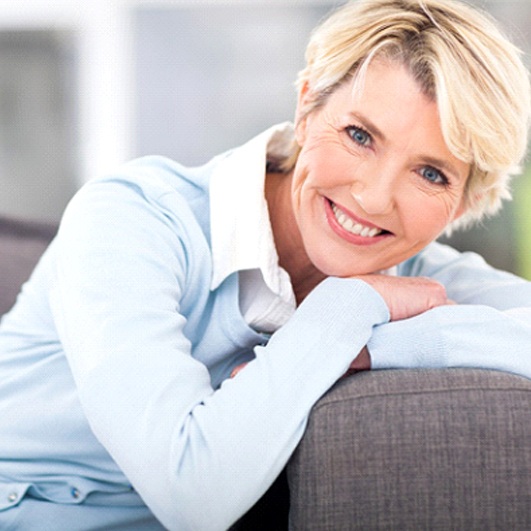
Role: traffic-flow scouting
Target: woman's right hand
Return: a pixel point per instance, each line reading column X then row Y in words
column 407, row 296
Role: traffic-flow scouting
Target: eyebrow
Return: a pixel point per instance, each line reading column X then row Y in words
column 367, row 124
column 441, row 164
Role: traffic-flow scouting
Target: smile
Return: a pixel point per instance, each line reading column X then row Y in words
column 352, row 226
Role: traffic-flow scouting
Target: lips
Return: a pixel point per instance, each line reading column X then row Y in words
column 354, row 226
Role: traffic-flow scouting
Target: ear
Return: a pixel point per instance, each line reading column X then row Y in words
column 304, row 101
column 461, row 209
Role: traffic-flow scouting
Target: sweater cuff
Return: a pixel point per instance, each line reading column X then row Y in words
column 409, row 343
column 336, row 296
column 338, row 317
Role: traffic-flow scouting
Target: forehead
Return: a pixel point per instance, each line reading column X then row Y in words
column 389, row 90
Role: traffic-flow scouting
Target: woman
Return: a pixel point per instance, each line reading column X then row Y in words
column 287, row 256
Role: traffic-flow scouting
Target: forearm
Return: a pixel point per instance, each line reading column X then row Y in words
column 456, row 336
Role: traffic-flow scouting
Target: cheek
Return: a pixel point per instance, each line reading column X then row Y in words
column 451, row 206
column 309, row 179
column 323, row 165
column 425, row 218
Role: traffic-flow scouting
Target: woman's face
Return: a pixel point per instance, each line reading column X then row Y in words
column 375, row 181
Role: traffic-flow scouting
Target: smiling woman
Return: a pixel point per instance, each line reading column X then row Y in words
column 374, row 182
column 287, row 262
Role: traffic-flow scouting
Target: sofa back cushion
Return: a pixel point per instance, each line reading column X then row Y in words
column 416, row 449
column 21, row 245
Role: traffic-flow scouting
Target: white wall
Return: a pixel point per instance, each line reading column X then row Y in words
column 105, row 83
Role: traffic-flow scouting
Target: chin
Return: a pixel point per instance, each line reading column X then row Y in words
column 340, row 270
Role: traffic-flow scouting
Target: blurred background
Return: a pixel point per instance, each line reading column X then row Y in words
column 85, row 86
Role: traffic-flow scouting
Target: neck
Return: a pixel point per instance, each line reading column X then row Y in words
column 290, row 248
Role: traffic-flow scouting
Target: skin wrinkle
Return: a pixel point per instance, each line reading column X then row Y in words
column 381, row 183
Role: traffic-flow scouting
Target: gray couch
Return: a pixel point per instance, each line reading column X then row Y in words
column 416, row 450
column 400, row 450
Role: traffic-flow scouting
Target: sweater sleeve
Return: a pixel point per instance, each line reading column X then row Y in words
column 490, row 327
column 198, row 457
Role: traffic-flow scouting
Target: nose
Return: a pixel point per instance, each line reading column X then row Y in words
column 374, row 191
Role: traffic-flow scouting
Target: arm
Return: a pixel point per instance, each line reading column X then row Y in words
column 490, row 327
column 122, row 276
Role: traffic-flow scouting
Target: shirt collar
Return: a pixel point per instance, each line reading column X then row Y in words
column 241, row 232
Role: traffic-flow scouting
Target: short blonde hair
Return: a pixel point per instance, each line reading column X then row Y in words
column 460, row 58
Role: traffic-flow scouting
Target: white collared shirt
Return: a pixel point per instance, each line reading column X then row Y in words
column 242, row 237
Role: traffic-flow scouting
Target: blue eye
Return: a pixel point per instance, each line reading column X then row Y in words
column 433, row 175
column 359, row 135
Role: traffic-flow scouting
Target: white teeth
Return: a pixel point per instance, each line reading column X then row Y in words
column 357, row 228
column 349, row 224
column 354, row 228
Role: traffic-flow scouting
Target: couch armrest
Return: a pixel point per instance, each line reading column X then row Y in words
column 416, row 449
column 21, row 245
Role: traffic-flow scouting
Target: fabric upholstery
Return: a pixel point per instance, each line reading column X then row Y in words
column 21, row 244
column 426, row 449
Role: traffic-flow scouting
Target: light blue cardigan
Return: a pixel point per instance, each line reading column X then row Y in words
column 114, row 394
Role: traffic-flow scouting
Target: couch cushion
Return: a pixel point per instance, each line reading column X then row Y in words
column 21, row 245
column 416, row 449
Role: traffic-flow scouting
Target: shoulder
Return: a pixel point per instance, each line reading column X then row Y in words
column 146, row 190
column 151, row 206
column 157, row 176
column 437, row 257
column 468, row 278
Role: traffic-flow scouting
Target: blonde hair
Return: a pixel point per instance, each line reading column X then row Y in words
column 460, row 58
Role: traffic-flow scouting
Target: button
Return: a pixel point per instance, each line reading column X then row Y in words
column 75, row 493
column 12, row 497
